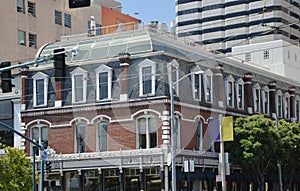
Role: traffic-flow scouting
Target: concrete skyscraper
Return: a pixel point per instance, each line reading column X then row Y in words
column 222, row 24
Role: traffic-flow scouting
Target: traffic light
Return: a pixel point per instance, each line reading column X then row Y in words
column 79, row 3
column 59, row 64
column 48, row 166
column 6, row 85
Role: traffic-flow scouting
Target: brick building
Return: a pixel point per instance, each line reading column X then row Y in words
column 107, row 120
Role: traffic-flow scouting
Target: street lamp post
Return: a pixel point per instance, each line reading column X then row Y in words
column 173, row 134
column 173, row 146
column 278, row 162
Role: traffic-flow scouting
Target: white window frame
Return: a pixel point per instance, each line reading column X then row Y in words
column 98, row 145
column 278, row 96
column 143, row 64
column 265, row 100
column 75, row 137
column 256, row 98
column 39, row 141
column 228, row 80
column 208, row 76
column 45, row 78
column 239, row 82
column 177, row 131
column 84, row 73
column 297, row 108
column 146, row 117
column 199, row 135
column 286, row 105
column 197, row 73
column 108, row 70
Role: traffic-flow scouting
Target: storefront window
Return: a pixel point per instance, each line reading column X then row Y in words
column 111, row 180
column 72, row 181
column 90, row 180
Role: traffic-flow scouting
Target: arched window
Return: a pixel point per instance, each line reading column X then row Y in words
column 40, row 135
column 199, row 136
column 177, row 131
column 102, row 136
column 146, row 132
column 80, row 138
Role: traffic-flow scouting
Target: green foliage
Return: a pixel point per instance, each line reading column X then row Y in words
column 255, row 143
column 15, row 171
column 290, row 150
column 258, row 145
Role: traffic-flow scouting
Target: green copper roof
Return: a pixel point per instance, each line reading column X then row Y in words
column 104, row 46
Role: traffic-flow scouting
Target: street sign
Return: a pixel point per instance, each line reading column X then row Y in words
column 189, row 165
column 44, row 155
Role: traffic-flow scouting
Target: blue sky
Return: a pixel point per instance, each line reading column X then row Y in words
column 150, row 10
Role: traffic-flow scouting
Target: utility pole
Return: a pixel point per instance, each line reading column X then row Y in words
column 222, row 158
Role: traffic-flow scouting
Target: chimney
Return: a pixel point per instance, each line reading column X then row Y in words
column 124, row 59
column 92, row 28
column 219, row 84
column 248, row 92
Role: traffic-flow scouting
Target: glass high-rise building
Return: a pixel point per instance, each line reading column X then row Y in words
column 222, row 24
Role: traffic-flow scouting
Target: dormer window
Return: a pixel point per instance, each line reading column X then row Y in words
column 240, row 93
column 286, row 105
column 79, row 85
column 265, row 99
column 147, row 71
column 197, row 82
column 208, row 84
column 256, row 97
column 104, row 82
column 40, row 89
column 297, row 108
column 230, row 91
column 279, row 103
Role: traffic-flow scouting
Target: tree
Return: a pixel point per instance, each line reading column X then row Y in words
column 255, row 146
column 15, row 170
column 290, row 151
